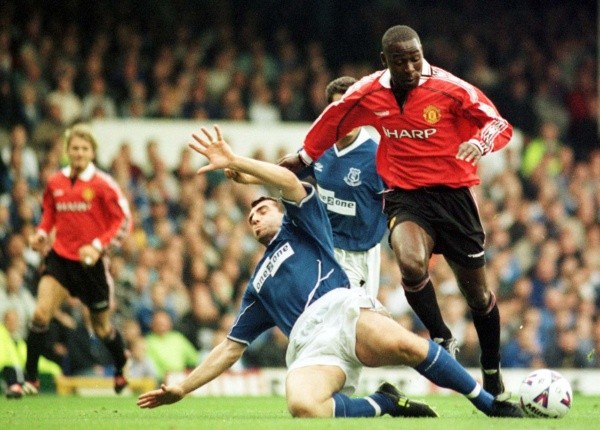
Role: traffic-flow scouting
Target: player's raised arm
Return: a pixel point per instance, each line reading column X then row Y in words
column 221, row 156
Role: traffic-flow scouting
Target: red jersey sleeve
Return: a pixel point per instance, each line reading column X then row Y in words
column 117, row 212
column 492, row 132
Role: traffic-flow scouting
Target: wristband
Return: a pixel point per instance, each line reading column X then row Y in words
column 477, row 144
column 304, row 158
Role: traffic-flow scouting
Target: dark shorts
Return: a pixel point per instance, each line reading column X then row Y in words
column 449, row 215
column 90, row 284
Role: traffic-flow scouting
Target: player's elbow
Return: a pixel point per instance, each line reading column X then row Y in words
column 292, row 189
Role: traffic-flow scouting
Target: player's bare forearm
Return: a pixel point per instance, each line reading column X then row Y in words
column 242, row 178
column 272, row 174
column 221, row 358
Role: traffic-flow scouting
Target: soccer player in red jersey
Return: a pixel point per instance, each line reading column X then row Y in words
column 434, row 128
column 86, row 213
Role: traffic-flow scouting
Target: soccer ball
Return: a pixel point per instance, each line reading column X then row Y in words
column 545, row 393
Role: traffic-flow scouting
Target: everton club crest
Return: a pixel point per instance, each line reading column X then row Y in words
column 353, row 177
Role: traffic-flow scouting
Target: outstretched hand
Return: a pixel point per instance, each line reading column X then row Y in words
column 214, row 148
column 165, row 395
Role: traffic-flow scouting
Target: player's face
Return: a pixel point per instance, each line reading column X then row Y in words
column 80, row 152
column 265, row 219
column 405, row 62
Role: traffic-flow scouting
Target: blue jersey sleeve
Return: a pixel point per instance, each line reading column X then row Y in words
column 251, row 321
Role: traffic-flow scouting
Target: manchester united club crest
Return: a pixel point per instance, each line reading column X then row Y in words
column 353, row 177
column 88, row 194
column 432, row 114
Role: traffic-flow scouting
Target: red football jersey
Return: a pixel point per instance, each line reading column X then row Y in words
column 90, row 209
column 419, row 140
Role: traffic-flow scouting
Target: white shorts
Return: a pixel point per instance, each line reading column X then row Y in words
column 325, row 334
column 363, row 268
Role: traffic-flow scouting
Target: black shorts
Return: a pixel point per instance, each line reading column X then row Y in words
column 449, row 215
column 90, row 284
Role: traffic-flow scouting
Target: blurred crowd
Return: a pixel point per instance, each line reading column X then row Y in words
column 179, row 275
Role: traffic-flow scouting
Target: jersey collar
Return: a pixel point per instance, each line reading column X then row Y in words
column 385, row 79
column 86, row 175
column 362, row 136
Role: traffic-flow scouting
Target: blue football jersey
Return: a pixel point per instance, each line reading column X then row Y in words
column 297, row 268
column 352, row 191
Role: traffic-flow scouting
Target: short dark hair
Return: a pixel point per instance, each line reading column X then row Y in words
column 398, row 33
column 338, row 86
column 262, row 199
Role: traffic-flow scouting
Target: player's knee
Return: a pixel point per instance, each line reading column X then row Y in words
column 413, row 267
column 481, row 302
column 410, row 352
column 302, row 408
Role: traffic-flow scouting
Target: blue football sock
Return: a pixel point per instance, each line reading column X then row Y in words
column 372, row 406
column 441, row 369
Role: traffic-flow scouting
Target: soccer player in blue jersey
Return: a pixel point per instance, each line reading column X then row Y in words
column 352, row 190
column 333, row 330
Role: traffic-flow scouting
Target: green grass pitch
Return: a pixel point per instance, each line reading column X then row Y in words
column 258, row 413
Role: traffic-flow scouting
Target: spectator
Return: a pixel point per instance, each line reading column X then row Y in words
column 289, row 102
column 135, row 105
column 156, row 299
column 198, row 325
column 11, row 364
column 543, row 151
column 27, row 164
column 29, row 110
column 261, row 107
column 50, row 128
column 97, row 97
column 168, row 349
column 17, row 297
column 582, row 103
column 64, row 96
column 523, row 350
column 513, row 99
column 566, row 352
column 140, row 365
